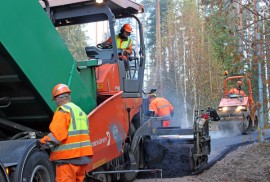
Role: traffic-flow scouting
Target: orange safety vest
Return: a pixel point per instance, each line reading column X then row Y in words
column 236, row 91
column 77, row 144
column 162, row 108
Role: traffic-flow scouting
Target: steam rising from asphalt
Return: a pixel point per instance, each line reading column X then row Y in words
column 182, row 116
column 232, row 130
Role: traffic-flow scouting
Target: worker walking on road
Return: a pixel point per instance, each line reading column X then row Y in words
column 123, row 40
column 69, row 139
column 162, row 108
column 238, row 90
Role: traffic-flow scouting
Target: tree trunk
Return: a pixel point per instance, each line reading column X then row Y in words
column 158, row 47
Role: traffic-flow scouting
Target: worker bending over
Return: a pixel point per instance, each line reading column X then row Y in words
column 162, row 108
column 238, row 90
column 69, row 139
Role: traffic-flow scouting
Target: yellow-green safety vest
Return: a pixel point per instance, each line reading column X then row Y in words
column 125, row 43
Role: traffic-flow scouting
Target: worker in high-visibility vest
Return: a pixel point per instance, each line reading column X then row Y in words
column 123, row 41
column 238, row 90
column 69, row 138
column 162, row 108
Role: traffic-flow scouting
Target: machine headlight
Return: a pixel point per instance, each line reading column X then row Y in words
column 240, row 108
column 223, row 109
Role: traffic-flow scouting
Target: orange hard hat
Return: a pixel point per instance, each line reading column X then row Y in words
column 60, row 89
column 239, row 83
column 127, row 27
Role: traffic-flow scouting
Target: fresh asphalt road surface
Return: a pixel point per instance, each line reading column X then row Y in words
column 220, row 142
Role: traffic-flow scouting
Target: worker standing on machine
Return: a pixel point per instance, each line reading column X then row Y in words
column 238, row 90
column 162, row 108
column 69, row 139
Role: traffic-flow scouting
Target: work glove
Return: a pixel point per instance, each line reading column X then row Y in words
column 39, row 144
column 43, row 146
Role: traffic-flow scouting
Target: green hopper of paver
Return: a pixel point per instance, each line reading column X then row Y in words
column 33, row 59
